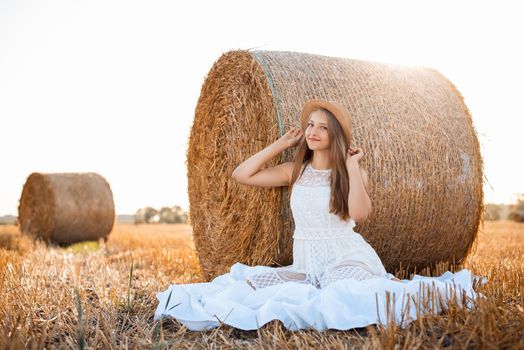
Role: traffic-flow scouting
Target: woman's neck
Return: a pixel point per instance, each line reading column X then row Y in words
column 321, row 160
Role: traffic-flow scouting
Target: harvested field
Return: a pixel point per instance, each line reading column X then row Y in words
column 102, row 295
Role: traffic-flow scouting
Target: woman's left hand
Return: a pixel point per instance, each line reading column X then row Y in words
column 354, row 154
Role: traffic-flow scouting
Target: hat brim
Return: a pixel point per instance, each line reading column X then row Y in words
column 338, row 110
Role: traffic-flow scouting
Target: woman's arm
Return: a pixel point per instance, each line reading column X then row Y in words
column 249, row 173
column 359, row 203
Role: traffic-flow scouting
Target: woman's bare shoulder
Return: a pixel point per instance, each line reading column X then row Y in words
column 288, row 168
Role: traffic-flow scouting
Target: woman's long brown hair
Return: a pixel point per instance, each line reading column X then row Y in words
column 338, row 203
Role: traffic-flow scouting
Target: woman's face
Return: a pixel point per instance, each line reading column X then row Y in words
column 317, row 137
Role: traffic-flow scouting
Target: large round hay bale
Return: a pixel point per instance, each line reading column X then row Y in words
column 421, row 153
column 66, row 208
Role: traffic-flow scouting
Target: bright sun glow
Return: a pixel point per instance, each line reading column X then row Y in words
column 111, row 86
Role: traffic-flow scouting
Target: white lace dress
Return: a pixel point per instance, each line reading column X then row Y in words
column 336, row 280
column 325, row 248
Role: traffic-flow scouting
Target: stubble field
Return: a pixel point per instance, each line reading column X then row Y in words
column 103, row 295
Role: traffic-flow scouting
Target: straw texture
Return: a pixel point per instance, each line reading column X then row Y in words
column 421, row 153
column 66, row 208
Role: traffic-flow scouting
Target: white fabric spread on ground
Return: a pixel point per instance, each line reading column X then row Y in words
column 336, row 281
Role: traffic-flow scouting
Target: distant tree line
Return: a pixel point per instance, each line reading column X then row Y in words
column 167, row 215
column 513, row 212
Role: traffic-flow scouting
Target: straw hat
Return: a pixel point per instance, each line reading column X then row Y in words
column 339, row 111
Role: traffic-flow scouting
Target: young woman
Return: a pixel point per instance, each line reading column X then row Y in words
column 329, row 194
column 336, row 280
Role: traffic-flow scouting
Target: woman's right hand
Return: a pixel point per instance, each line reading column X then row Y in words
column 292, row 137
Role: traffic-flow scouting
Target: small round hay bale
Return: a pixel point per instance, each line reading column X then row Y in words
column 65, row 208
column 421, row 150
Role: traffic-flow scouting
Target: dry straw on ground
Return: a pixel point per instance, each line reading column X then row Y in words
column 66, row 208
column 103, row 296
column 421, row 153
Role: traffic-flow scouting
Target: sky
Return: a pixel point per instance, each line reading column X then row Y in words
column 111, row 86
